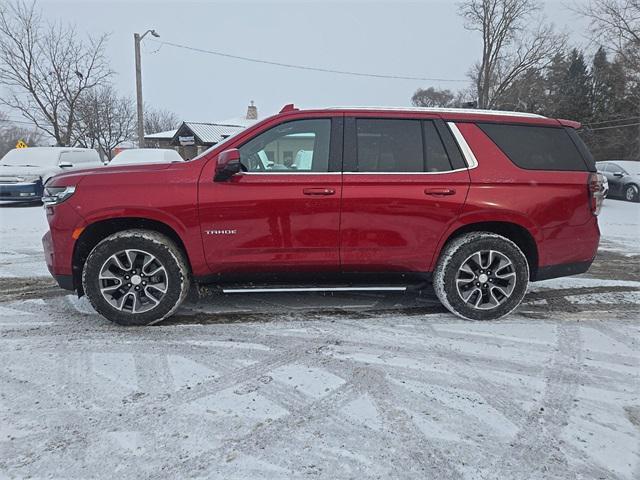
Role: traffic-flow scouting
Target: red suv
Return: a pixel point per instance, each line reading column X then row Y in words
column 479, row 203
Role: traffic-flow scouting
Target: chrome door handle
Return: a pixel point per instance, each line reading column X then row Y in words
column 319, row 191
column 436, row 192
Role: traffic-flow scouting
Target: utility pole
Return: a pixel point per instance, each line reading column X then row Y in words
column 137, row 38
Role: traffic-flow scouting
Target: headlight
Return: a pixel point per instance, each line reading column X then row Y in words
column 56, row 195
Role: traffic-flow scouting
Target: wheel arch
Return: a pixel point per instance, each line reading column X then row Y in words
column 97, row 231
column 518, row 234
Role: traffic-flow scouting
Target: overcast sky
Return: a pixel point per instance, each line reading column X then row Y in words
column 419, row 39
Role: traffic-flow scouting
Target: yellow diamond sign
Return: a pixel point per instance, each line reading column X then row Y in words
column 21, row 144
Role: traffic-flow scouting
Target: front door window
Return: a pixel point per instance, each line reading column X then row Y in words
column 298, row 146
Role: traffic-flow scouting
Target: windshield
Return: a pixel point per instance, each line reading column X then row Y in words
column 29, row 157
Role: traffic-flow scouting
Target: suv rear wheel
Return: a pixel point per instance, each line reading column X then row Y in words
column 136, row 277
column 481, row 276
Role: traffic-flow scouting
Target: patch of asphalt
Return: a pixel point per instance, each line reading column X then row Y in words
column 611, row 264
column 16, row 289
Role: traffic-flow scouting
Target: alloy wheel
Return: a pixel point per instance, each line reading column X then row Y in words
column 486, row 279
column 133, row 281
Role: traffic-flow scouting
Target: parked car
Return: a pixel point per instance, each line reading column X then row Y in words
column 24, row 171
column 135, row 156
column 479, row 203
column 622, row 184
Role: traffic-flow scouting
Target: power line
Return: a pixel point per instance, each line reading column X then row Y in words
column 614, row 126
column 10, row 120
column 307, row 67
column 613, row 120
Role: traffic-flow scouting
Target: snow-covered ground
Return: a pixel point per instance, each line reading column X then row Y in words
column 280, row 386
column 620, row 226
column 21, row 231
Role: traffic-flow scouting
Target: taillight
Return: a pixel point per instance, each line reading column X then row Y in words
column 596, row 192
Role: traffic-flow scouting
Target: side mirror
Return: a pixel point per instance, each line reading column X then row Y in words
column 228, row 164
column 65, row 165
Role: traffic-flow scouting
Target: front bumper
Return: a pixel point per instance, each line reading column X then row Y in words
column 21, row 192
column 64, row 281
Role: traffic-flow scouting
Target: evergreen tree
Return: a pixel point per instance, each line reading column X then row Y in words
column 555, row 79
column 575, row 101
column 601, row 91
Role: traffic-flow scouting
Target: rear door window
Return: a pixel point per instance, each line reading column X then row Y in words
column 536, row 148
column 389, row 145
column 436, row 156
column 400, row 146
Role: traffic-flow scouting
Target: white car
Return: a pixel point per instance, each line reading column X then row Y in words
column 136, row 156
column 24, row 171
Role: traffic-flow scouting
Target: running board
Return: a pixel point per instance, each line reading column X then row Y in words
column 314, row 289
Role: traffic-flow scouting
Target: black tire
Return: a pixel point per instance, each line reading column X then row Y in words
column 174, row 276
column 450, row 270
column 631, row 193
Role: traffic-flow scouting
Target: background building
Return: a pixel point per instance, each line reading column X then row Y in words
column 190, row 139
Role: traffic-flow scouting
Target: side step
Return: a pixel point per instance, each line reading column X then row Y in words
column 312, row 289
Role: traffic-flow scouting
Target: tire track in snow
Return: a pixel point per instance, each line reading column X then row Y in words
column 536, row 448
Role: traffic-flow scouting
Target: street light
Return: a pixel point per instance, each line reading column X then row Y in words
column 137, row 38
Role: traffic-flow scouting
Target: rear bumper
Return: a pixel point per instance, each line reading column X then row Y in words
column 21, row 192
column 564, row 270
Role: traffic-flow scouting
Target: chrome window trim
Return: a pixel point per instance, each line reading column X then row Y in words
column 408, row 173
column 356, row 173
column 290, row 173
column 467, row 153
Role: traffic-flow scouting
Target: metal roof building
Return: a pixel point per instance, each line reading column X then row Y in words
column 193, row 138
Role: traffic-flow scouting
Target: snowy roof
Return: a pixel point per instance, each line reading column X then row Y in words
column 211, row 132
column 166, row 134
column 146, row 155
column 244, row 121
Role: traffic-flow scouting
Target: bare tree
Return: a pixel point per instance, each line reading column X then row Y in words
column 47, row 68
column 10, row 134
column 105, row 120
column 432, row 97
column 510, row 47
column 159, row 120
column 616, row 23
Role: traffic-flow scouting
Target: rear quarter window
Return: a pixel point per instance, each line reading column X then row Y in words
column 537, row 148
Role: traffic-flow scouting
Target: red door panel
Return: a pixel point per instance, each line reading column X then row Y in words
column 393, row 222
column 271, row 222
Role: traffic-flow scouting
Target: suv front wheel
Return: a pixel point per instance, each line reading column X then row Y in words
column 136, row 277
column 481, row 276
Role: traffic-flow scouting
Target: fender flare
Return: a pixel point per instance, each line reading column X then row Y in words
column 479, row 217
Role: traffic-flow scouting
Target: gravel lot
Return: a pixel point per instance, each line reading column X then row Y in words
column 325, row 386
